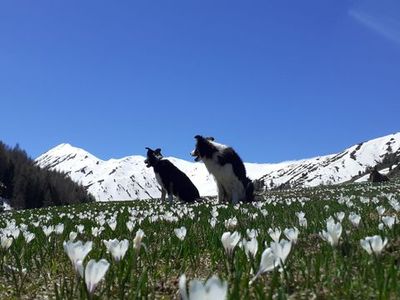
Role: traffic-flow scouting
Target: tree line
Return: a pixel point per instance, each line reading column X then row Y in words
column 26, row 185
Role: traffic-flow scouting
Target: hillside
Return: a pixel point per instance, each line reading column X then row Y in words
column 24, row 185
column 128, row 178
column 350, row 164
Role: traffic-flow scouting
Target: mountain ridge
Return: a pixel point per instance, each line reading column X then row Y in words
column 128, row 178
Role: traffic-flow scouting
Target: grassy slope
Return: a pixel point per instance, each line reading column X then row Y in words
column 313, row 267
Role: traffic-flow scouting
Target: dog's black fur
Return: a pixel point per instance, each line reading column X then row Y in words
column 172, row 180
column 205, row 148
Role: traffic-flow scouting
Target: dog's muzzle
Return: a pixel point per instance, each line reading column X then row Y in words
column 147, row 163
column 196, row 155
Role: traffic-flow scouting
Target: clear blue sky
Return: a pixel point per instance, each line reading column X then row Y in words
column 277, row 80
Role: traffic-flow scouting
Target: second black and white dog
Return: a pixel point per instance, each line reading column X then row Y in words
column 227, row 168
column 172, row 180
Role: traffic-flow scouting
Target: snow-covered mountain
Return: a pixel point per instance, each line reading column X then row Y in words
column 128, row 178
column 352, row 164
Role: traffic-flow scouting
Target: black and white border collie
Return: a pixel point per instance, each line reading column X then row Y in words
column 227, row 168
column 172, row 180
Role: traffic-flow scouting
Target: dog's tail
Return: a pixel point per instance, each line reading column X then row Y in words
column 249, row 190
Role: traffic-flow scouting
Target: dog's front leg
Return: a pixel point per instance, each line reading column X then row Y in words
column 235, row 198
column 170, row 194
column 170, row 198
column 163, row 193
column 221, row 193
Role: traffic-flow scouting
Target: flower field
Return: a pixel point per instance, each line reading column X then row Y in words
column 333, row 242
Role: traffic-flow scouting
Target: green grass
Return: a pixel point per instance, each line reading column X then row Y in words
column 313, row 269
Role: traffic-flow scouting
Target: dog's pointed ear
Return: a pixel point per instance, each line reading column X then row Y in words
column 147, row 148
column 210, row 138
column 158, row 151
column 198, row 137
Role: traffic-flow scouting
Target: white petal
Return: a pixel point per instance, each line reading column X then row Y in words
column 182, row 287
column 196, row 290
column 94, row 272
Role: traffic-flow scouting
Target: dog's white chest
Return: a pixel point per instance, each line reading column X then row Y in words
column 220, row 172
column 225, row 176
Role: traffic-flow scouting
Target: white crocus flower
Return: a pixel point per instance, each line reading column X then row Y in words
column 389, row 221
column 130, row 225
column 117, row 248
column 214, row 213
column 59, row 228
column 292, row 234
column 275, row 234
column 213, row 222
column 15, row 232
column 373, row 244
column 333, row 233
column 214, row 288
column 252, row 233
column 340, row 216
column 268, row 263
column 354, row 219
column 112, row 224
column 300, row 215
column 94, row 272
column 395, row 204
column 137, row 241
column 80, row 228
column 273, row 257
column 96, row 231
column 29, row 236
column 79, row 267
column 229, row 241
column 5, row 242
column 381, row 210
column 180, row 233
column 250, row 247
column 231, row 223
column 303, row 222
column 281, row 250
column 77, row 251
column 47, row 230
column 72, row 235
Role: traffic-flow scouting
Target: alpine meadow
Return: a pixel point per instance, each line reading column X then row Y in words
column 200, row 150
column 334, row 242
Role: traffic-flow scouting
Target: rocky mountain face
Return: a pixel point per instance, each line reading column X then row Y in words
column 129, row 179
column 352, row 164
